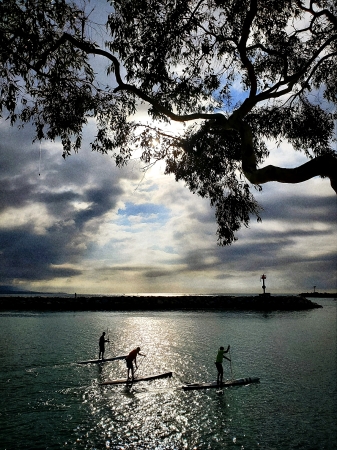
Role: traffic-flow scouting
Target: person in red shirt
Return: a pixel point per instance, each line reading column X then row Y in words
column 132, row 356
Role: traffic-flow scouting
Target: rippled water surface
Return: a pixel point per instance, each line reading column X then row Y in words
column 47, row 401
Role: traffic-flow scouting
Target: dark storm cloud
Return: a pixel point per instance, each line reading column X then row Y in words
column 271, row 248
column 101, row 200
column 28, row 256
column 300, row 208
column 29, row 250
column 14, row 193
column 16, row 184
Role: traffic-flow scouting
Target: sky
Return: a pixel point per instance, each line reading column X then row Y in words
column 82, row 225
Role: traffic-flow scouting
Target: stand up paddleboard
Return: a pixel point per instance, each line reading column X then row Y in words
column 137, row 380
column 214, row 384
column 97, row 361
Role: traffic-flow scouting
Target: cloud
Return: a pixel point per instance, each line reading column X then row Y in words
column 69, row 198
column 83, row 225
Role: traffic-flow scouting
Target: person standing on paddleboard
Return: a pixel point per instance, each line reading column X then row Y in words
column 101, row 344
column 132, row 356
column 218, row 362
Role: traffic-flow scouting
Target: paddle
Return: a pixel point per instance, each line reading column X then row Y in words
column 230, row 360
column 138, row 364
column 136, row 369
column 108, row 338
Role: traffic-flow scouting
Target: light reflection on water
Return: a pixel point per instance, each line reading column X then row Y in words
column 48, row 401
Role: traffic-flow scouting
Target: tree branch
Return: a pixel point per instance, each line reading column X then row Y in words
column 313, row 70
column 323, row 12
column 272, row 52
column 324, row 166
column 91, row 49
column 286, row 85
column 242, row 46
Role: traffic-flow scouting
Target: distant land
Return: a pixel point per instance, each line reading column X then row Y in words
column 11, row 290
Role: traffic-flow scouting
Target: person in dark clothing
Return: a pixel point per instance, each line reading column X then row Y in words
column 101, row 344
column 132, row 356
column 218, row 362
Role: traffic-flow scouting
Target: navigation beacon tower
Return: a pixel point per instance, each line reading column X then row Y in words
column 263, row 277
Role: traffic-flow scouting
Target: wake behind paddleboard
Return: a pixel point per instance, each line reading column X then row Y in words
column 97, row 361
column 214, row 384
column 137, row 380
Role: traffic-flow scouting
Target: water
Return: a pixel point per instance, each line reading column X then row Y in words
column 49, row 402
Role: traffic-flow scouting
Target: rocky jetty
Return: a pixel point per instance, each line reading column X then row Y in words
column 153, row 303
column 319, row 294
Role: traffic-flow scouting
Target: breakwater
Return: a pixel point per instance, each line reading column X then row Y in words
column 319, row 294
column 143, row 303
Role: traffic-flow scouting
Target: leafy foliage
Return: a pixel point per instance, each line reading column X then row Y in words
column 209, row 163
column 238, row 72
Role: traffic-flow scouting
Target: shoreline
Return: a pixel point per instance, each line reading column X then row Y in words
column 158, row 303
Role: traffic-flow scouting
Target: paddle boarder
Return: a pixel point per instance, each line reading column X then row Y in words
column 132, row 356
column 101, row 344
column 218, row 362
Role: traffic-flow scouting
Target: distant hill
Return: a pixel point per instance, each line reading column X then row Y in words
column 15, row 290
column 12, row 290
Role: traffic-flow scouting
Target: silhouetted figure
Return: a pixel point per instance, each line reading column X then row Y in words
column 132, row 356
column 101, row 344
column 218, row 362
